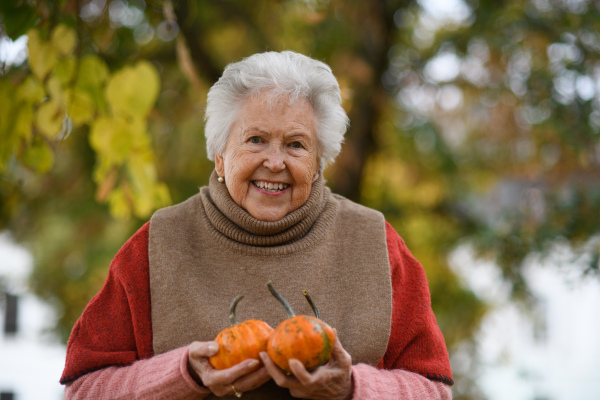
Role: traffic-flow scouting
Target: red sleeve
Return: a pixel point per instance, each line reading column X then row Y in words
column 115, row 328
column 416, row 342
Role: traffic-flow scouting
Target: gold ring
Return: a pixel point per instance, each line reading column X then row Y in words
column 237, row 394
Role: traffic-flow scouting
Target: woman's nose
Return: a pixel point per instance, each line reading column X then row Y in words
column 274, row 160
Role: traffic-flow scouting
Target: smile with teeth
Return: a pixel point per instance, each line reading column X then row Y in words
column 271, row 187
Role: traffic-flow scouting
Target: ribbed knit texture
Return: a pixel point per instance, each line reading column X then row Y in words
column 115, row 329
column 233, row 222
column 100, row 337
column 373, row 384
column 207, row 250
column 165, row 377
column 162, row 377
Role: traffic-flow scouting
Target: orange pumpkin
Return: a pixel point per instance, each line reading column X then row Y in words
column 305, row 338
column 241, row 341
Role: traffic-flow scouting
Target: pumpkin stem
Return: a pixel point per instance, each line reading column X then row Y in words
column 286, row 305
column 312, row 303
column 232, row 317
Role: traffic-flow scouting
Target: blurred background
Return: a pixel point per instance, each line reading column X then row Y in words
column 475, row 129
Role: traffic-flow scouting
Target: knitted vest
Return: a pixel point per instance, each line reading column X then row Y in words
column 207, row 250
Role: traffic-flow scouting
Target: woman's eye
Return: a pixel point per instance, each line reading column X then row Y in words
column 296, row 145
column 255, row 139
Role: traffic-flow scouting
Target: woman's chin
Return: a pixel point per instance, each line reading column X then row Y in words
column 268, row 215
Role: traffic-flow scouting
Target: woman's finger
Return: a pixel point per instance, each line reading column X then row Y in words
column 203, row 349
column 278, row 375
column 340, row 356
column 252, row 380
column 246, row 375
column 225, row 377
column 330, row 381
column 300, row 372
column 198, row 353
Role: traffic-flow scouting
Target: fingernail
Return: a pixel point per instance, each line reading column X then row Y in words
column 253, row 363
column 213, row 348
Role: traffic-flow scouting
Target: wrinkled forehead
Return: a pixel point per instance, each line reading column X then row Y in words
column 276, row 104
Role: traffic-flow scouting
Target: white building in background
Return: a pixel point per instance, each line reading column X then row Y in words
column 550, row 352
column 31, row 359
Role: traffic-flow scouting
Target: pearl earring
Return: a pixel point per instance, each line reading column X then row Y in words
column 220, row 179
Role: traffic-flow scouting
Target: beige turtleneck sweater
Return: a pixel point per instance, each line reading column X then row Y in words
column 207, row 250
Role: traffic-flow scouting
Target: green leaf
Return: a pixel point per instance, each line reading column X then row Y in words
column 42, row 56
column 21, row 17
column 133, row 90
column 64, row 39
column 49, row 119
column 39, row 156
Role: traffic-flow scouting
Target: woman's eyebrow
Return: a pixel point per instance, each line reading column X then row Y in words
column 296, row 134
column 256, row 129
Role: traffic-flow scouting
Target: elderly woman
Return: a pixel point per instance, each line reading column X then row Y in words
column 273, row 122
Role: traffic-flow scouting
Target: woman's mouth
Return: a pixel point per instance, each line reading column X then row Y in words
column 270, row 186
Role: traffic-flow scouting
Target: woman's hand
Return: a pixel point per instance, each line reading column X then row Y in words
column 330, row 381
column 244, row 376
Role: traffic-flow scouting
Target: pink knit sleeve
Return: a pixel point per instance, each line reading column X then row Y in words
column 161, row 377
column 375, row 384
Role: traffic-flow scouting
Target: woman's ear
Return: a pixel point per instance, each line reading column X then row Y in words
column 219, row 165
column 316, row 175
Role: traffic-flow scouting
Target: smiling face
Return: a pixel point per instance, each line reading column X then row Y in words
column 271, row 157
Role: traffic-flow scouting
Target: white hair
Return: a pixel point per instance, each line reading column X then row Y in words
column 287, row 73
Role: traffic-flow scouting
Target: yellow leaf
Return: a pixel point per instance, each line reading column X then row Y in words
column 63, row 39
column 142, row 173
column 24, row 123
column 116, row 138
column 65, row 69
column 39, row 156
column 55, row 90
column 80, row 107
column 147, row 194
column 93, row 72
column 31, row 91
column 133, row 90
column 106, row 184
column 119, row 205
column 8, row 137
column 100, row 134
column 163, row 197
column 101, row 170
column 91, row 77
column 42, row 56
column 49, row 119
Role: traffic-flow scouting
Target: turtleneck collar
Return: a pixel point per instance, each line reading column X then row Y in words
column 231, row 220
